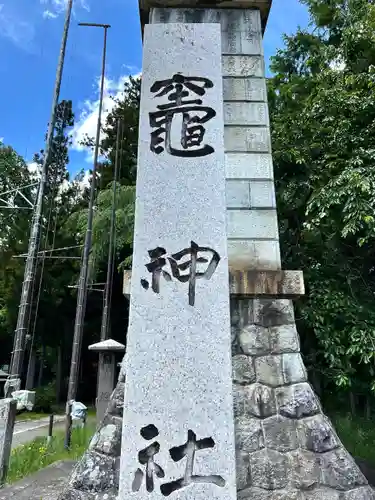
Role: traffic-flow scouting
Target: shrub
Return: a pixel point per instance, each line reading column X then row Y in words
column 45, row 398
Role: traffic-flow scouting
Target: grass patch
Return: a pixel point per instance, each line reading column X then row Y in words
column 37, row 454
column 357, row 434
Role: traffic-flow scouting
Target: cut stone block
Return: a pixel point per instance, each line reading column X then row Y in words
column 248, row 166
column 256, row 400
column 246, row 255
column 246, row 114
column 231, row 20
column 247, row 139
column 244, row 89
column 262, row 194
column 8, row 409
column 249, row 434
column 238, row 194
column 269, row 469
column 297, row 401
column 252, row 224
column 280, row 433
column 278, row 370
column 317, row 434
column 243, row 370
column 243, row 66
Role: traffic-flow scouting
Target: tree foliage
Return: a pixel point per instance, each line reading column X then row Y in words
column 322, row 113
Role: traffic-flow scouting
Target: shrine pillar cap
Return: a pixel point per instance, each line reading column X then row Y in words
column 107, row 346
column 263, row 5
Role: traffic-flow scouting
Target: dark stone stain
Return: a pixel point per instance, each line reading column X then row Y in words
column 272, row 315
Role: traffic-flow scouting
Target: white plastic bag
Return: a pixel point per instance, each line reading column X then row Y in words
column 78, row 411
column 25, row 399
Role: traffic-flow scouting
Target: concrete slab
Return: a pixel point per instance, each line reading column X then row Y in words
column 46, row 484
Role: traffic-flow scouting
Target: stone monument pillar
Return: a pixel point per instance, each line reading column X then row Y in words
column 178, row 434
column 106, row 373
column 285, row 446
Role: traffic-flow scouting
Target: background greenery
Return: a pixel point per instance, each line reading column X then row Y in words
column 321, row 97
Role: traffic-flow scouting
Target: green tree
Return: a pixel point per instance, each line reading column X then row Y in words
column 321, row 100
column 14, row 224
column 126, row 110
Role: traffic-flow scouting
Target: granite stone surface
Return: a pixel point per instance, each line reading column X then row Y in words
column 8, row 408
column 178, row 364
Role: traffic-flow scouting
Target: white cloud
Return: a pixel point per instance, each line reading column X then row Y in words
column 34, row 169
column 56, row 7
column 88, row 118
column 337, row 64
column 47, row 14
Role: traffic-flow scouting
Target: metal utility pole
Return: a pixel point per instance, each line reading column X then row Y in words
column 82, row 285
column 15, row 373
column 108, row 285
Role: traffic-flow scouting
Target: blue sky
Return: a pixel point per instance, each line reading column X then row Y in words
column 30, row 35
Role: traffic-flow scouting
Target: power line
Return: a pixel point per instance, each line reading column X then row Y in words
column 50, row 250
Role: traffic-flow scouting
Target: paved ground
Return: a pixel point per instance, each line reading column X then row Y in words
column 45, row 484
column 29, row 430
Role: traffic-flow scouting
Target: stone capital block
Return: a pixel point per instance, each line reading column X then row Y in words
column 261, row 6
column 281, row 284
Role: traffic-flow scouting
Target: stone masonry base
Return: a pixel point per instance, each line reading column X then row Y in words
column 286, row 447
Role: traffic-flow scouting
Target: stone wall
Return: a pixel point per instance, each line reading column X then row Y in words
column 286, row 447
